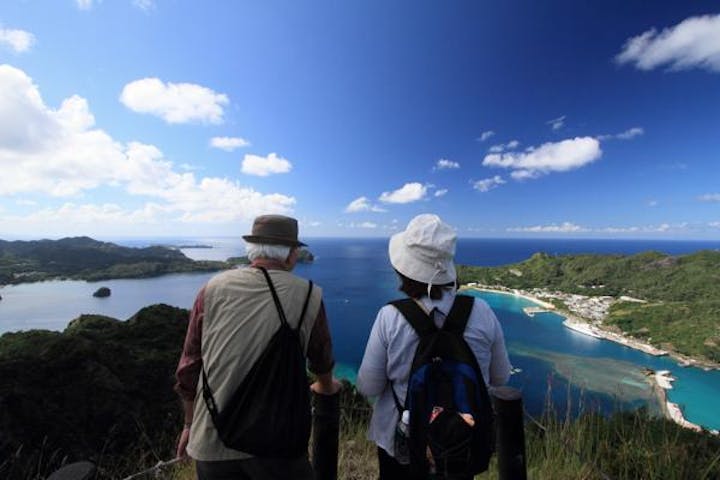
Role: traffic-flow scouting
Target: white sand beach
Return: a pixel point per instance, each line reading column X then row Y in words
column 575, row 323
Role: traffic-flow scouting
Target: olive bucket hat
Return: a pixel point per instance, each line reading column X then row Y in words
column 275, row 230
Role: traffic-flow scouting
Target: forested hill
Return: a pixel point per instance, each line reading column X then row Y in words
column 649, row 275
column 84, row 258
column 683, row 292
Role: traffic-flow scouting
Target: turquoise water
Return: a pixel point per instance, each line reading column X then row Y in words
column 357, row 280
column 695, row 390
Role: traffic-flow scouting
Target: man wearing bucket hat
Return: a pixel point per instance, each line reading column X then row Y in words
column 234, row 323
column 422, row 256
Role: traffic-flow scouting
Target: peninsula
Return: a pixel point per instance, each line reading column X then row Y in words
column 651, row 301
column 83, row 258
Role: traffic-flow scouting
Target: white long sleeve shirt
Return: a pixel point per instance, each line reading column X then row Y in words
column 391, row 348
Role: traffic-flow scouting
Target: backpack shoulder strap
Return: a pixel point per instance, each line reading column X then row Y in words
column 305, row 305
column 415, row 316
column 459, row 314
column 278, row 305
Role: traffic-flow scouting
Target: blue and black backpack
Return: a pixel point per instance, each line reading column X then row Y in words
column 446, row 381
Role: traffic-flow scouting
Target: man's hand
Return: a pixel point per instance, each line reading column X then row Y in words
column 326, row 385
column 182, row 444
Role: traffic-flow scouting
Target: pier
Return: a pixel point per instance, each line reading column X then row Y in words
column 531, row 311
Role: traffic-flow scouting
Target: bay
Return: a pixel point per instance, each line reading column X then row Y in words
column 576, row 371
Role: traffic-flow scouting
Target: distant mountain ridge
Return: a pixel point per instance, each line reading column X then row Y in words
column 84, row 258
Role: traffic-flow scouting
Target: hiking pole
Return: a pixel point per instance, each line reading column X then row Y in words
column 510, row 433
column 326, row 428
column 155, row 469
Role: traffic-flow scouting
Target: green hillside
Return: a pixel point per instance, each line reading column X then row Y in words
column 683, row 292
column 83, row 258
column 102, row 391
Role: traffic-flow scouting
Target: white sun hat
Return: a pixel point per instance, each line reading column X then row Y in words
column 424, row 251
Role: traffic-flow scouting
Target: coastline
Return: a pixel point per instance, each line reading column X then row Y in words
column 582, row 325
column 576, row 323
column 660, row 380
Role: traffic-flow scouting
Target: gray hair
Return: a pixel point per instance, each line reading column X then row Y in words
column 261, row 250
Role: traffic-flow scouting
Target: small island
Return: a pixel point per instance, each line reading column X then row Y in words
column 102, row 292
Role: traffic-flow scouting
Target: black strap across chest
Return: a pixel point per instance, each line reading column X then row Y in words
column 283, row 321
column 455, row 322
column 278, row 305
column 423, row 324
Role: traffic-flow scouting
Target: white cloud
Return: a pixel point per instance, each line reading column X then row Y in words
column 144, row 5
column 445, row 164
column 188, row 167
column 441, row 192
column 565, row 227
column 557, row 123
column 511, row 145
column 550, row 157
column 89, row 214
column 653, row 203
column 60, row 153
column 228, row 143
column 661, row 228
column 174, row 102
column 84, row 4
column 410, row 192
column 693, row 43
column 497, row 148
column 485, row 135
column 628, row 134
column 488, row 184
column 631, row 133
column 18, row 41
column 714, row 224
column 264, row 166
column 362, row 204
column 366, row 225
column 710, row 197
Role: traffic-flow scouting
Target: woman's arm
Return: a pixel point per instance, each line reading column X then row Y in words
column 372, row 376
column 499, row 362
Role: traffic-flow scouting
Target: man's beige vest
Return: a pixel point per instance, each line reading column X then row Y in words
column 239, row 319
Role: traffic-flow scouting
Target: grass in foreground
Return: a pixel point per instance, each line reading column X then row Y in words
column 630, row 445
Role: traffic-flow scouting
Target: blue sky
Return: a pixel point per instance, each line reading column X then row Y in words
column 508, row 119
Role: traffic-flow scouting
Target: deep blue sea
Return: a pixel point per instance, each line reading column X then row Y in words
column 576, row 371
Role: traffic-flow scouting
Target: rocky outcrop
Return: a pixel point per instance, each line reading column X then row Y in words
column 102, row 292
column 305, row 256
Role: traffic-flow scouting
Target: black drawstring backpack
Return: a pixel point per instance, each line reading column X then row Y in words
column 268, row 415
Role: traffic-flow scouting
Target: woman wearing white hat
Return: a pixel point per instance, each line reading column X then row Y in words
column 422, row 255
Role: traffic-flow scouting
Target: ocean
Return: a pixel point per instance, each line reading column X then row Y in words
column 576, row 371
